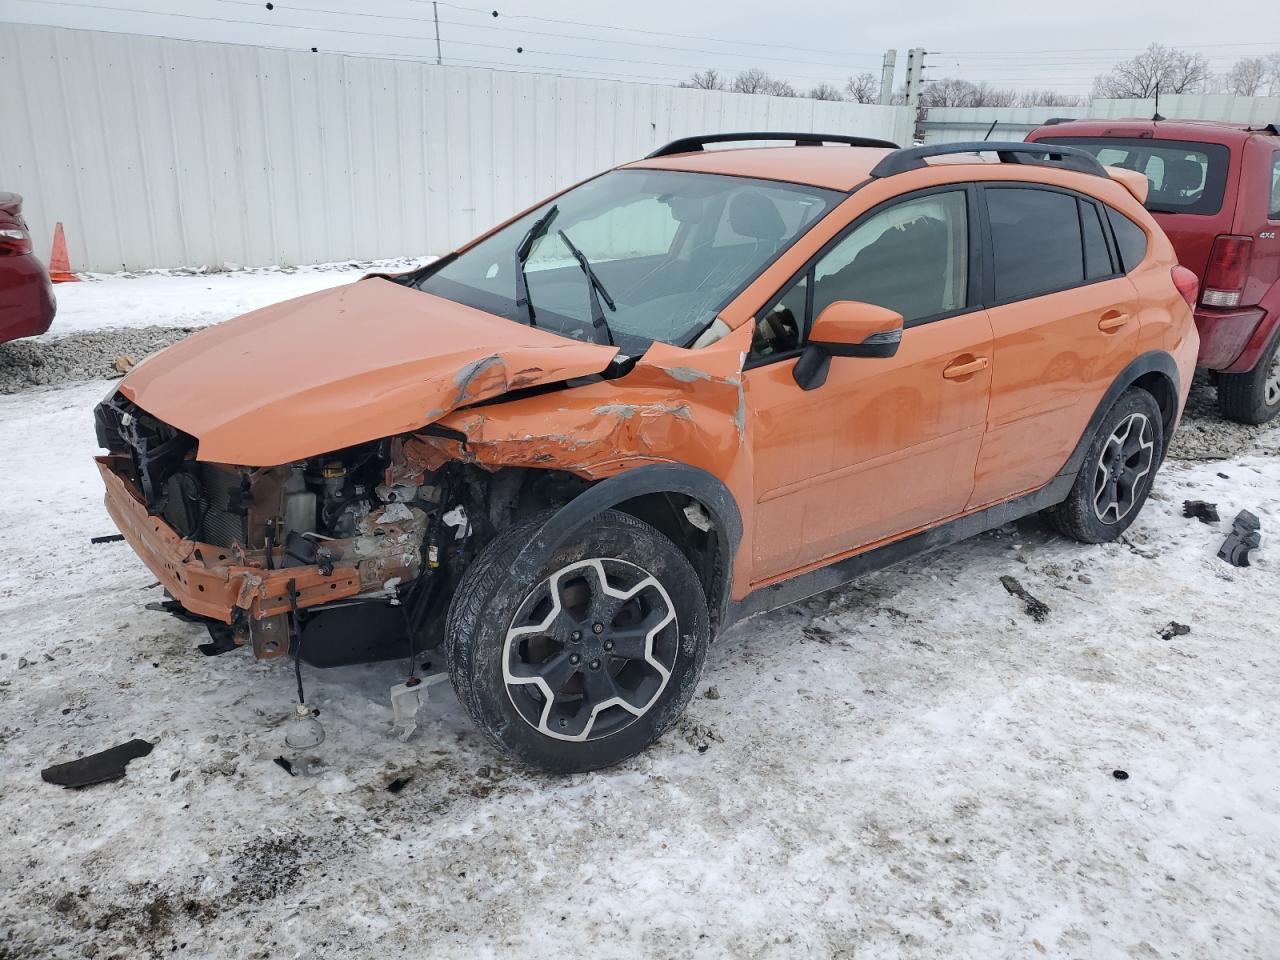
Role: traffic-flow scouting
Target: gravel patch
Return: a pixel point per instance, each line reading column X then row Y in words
column 1204, row 435
column 90, row 355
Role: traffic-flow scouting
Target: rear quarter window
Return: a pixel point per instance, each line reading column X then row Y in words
column 1131, row 239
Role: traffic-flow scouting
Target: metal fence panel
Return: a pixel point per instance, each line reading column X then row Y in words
column 175, row 153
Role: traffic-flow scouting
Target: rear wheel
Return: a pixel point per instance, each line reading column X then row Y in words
column 1117, row 471
column 587, row 660
column 1253, row 397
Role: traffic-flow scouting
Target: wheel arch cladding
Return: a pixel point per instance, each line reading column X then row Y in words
column 650, row 493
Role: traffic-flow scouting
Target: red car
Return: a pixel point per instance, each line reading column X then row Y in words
column 1215, row 189
column 27, row 304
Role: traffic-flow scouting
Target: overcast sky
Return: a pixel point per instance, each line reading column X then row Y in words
column 1013, row 43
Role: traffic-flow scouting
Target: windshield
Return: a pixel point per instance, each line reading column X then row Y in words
column 668, row 250
column 1182, row 176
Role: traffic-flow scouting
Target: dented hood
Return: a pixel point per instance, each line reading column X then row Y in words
column 362, row 361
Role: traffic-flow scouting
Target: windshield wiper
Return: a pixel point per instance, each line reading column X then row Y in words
column 523, row 249
column 595, row 290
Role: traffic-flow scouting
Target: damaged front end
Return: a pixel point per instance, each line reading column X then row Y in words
column 362, row 556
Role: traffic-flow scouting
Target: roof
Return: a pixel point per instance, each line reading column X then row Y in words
column 834, row 168
column 1209, row 131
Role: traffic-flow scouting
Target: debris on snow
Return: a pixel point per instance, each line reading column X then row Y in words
column 1174, row 629
column 713, row 693
column 108, row 538
column 101, row 767
column 1120, row 774
column 1037, row 609
column 1245, row 535
column 1200, row 510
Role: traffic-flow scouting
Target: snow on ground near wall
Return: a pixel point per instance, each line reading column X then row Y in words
column 186, row 299
column 906, row 767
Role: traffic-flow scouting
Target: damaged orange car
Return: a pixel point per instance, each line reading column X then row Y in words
column 690, row 389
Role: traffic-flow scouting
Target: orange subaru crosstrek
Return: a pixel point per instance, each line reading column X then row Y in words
column 682, row 392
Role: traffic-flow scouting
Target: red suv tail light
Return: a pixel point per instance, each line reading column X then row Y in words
column 14, row 241
column 1227, row 271
column 1187, row 283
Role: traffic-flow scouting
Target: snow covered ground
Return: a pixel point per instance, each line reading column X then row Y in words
column 177, row 298
column 907, row 767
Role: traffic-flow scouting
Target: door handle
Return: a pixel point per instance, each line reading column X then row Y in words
column 965, row 368
column 1112, row 320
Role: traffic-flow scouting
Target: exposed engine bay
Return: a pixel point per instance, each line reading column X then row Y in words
column 400, row 532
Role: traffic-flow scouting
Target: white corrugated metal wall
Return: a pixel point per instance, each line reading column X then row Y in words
column 954, row 124
column 156, row 152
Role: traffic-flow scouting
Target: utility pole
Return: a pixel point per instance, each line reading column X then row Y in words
column 886, row 76
column 915, row 76
column 435, row 13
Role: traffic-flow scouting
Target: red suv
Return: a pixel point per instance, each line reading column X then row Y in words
column 1215, row 189
column 26, row 296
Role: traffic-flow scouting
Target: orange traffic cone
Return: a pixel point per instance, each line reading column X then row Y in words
column 59, row 264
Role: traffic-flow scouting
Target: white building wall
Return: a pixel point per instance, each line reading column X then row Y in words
column 171, row 153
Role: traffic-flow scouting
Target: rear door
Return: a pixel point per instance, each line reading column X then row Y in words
column 1064, row 318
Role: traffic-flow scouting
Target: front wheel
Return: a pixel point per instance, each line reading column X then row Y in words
column 1117, row 471
column 1253, row 397
column 588, row 660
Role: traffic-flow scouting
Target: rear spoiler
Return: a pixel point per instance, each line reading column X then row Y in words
column 1133, row 181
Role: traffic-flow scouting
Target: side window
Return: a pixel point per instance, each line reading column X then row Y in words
column 778, row 331
column 912, row 258
column 1097, row 259
column 1131, row 239
column 1035, row 239
column 1273, row 209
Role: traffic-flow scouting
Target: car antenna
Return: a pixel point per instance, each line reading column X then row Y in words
column 1156, row 116
column 990, row 130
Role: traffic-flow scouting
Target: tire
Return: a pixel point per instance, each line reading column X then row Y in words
column 1116, row 475
column 620, row 588
column 1253, row 397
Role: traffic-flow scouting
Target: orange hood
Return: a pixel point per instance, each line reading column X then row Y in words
column 359, row 362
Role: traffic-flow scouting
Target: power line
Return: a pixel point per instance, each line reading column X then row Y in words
column 658, row 33
column 806, row 78
column 537, row 33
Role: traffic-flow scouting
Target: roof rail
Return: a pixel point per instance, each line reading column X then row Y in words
column 1056, row 120
column 1043, row 154
column 695, row 144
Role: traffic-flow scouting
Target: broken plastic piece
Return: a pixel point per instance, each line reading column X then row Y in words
column 1245, row 535
column 97, row 767
column 109, row 538
column 1037, row 609
column 1200, row 510
column 407, row 699
column 304, row 730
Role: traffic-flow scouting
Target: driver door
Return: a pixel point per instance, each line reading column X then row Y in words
column 886, row 445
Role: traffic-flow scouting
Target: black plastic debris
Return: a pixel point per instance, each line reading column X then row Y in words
column 1037, row 609
column 1174, row 629
column 109, row 538
column 1245, row 535
column 398, row 784
column 1120, row 774
column 1200, row 510
column 99, row 767
column 221, row 639
column 284, row 764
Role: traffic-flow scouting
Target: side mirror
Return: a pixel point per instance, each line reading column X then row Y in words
column 846, row 328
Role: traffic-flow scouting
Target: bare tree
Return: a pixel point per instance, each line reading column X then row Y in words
column 1049, row 98
column 1248, row 77
column 1158, row 68
column 863, row 88
column 953, row 92
column 754, row 80
column 708, row 79
column 824, row 91
column 1273, row 73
